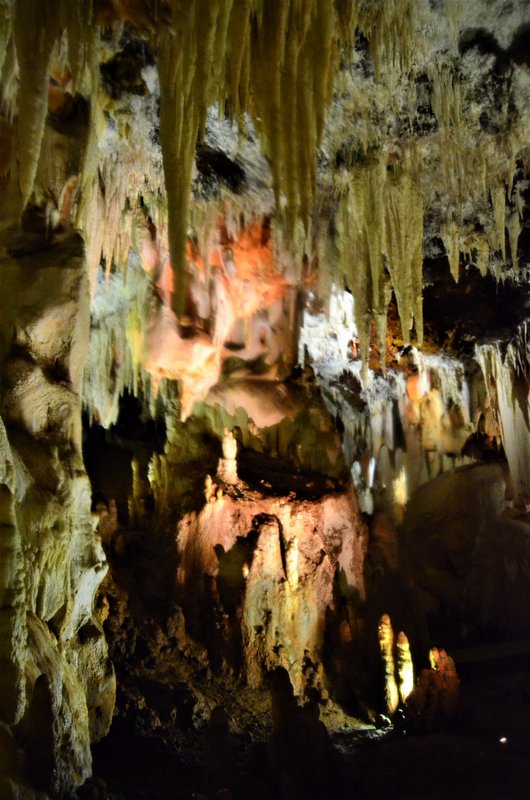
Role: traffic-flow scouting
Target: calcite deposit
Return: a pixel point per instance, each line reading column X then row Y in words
column 276, row 570
column 58, row 685
column 264, row 383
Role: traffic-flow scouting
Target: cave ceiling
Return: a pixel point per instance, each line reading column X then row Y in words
column 379, row 140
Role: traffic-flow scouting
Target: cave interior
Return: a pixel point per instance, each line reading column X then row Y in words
column 264, row 399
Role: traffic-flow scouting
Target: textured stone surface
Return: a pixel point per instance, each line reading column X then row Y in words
column 275, row 568
column 57, row 684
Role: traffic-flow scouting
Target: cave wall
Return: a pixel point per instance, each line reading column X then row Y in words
column 58, row 685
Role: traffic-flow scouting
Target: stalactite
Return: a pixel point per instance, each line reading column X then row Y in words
column 120, row 316
column 380, row 228
column 507, row 385
column 450, row 234
column 275, row 60
column 446, row 103
column 476, row 166
column 190, row 55
column 294, row 55
column 6, row 12
column 238, row 59
column 77, row 19
column 513, row 223
column 348, row 15
column 34, row 43
column 391, row 31
column 90, row 212
column 404, row 246
column 475, row 248
column 362, row 245
column 498, row 200
column 9, row 81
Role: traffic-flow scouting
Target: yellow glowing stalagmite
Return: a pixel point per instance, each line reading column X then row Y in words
column 405, row 668
column 386, row 646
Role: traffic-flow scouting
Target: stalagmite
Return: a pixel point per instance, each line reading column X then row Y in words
column 227, row 466
column 386, row 647
column 445, row 685
column 404, row 666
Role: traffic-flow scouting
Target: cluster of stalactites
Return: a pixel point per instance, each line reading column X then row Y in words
column 380, row 226
column 275, row 60
column 507, row 379
column 30, row 35
column 474, row 166
column 390, row 28
column 62, row 40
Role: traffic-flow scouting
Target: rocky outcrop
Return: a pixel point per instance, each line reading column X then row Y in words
column 57, row 684
column 272, row 569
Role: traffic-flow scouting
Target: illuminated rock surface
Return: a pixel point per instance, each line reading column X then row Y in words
column 264, row 396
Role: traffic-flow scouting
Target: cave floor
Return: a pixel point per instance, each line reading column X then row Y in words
column 470, row 760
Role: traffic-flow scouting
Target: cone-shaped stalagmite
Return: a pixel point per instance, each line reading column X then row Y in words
column 405, row 667
column 386, row 646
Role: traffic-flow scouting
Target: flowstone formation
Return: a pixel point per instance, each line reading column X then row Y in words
column 58, row 684
column 270, row 571
column 264, row 269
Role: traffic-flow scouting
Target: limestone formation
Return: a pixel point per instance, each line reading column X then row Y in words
column 58, row 686
column 295, row 232
column 386, row 645
column 435, row 700
column 227, row 467
column 273, row 564
column 404, row 667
